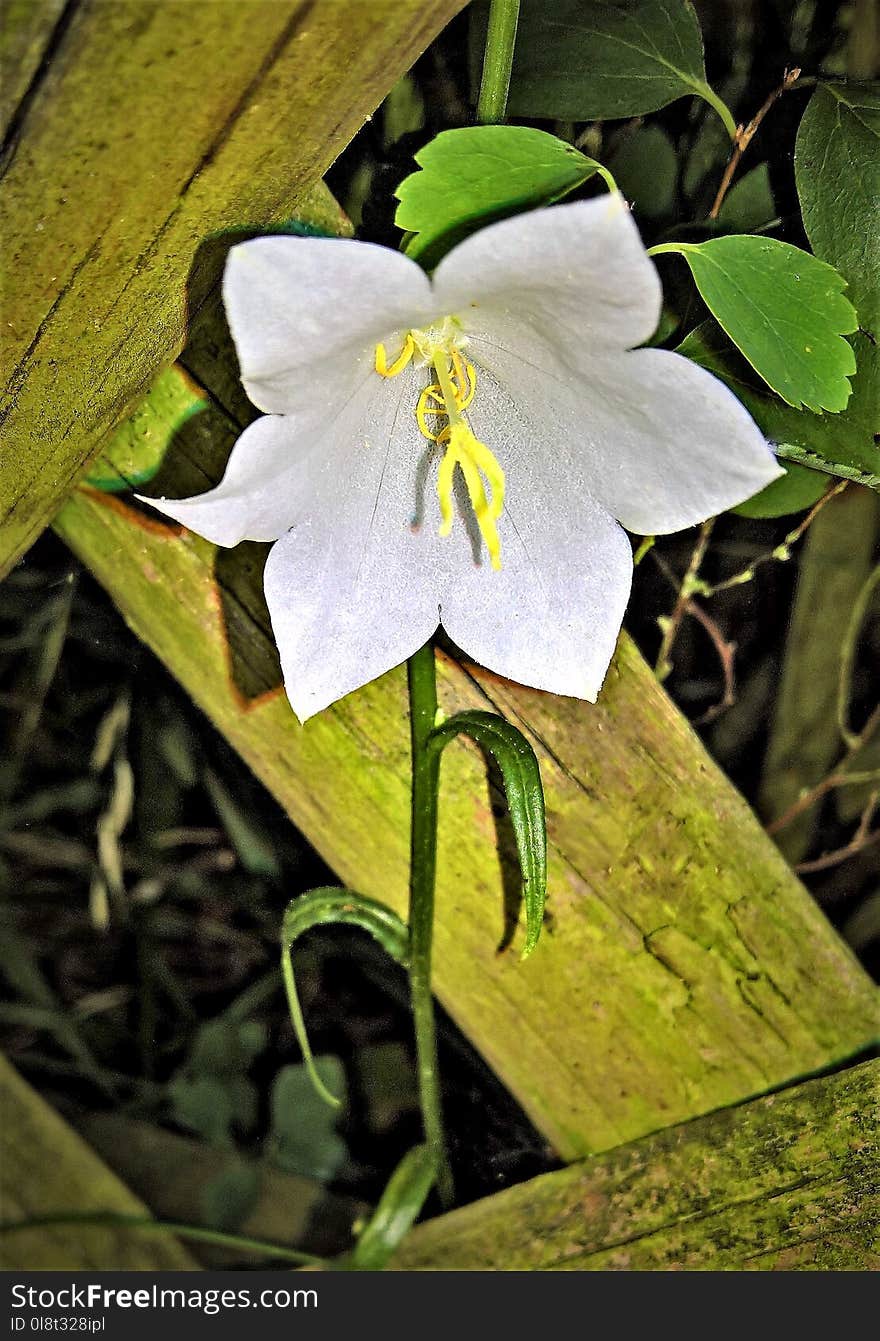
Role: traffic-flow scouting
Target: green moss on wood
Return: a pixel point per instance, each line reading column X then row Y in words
column 683, row 967
column 160, row 124
column 791, row 1181
column 47, row 1169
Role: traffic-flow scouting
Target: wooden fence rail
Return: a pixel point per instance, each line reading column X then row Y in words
column 683, row 968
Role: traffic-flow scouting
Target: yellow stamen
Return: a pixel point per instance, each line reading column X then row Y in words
column 444, row 403
column 403, row 358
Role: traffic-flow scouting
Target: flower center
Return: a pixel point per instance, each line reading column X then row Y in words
column 440, row 414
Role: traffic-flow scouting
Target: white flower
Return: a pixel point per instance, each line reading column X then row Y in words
column 464, row 449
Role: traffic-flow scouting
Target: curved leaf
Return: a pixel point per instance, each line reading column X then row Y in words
column 783, row 308
column 525, row 798
column 837, row 170
column 399, row 1206
column 321, row 907
column 478, row 174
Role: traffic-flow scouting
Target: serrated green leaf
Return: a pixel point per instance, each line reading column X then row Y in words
column 303, row 1138
column 521, row 774
column 399, row 1206
column 479, row 174
column 749, row 203
column 842, row 445
column 783, row 308
column 321, row 907
column 837, row 170
column 594, row 62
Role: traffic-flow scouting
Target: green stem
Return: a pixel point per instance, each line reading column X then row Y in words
column 423, row 869
column 497, row 61
column 708, row 94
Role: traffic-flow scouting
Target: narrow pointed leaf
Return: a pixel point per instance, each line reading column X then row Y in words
column 399, row 1207
column 321, row 907
column 525, row 798
column 477, row 174
column 784, row 309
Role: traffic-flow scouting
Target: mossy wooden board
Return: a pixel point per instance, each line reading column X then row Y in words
column 47, row 1169
column 791, row 1181
column 156, row 125
column 683, row 967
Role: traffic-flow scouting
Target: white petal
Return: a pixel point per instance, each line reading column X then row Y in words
column 576, row 275
column 306, row 314
column 550, row 617
column 660, row 442
column 354, row 588
column 255, row 499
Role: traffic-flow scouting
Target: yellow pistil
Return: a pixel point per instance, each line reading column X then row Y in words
column 444, row 403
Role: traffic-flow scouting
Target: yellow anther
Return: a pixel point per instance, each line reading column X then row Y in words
column 440, row 416
column 384, row 369
column 471, row 456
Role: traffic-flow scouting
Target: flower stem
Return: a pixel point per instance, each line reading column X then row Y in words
column 497, row 61
column 423, row 869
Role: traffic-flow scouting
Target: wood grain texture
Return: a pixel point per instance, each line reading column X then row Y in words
column 790, row 1181
column 683, row 968
column 26, row 36
column 45, row 1169
column 157, row 125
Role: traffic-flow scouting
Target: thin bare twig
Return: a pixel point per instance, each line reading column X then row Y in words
column 726, row 649
column 781, row 554
column 670, row 624
column 863, row 838
column 726, row 652
column 745, row 135
column 830, row 783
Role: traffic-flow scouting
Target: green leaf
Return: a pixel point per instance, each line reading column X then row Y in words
column 228, row 1199
column 837, row 169
column 399, row 1206
column 478, row 174
column 303, row 1138
column 525, row 798
column 783, row 308
column 591, row 62
column 842, row 444
column 645, row 168
column 797, row 489
column 321, row 907
column 749, row 204
column 253, row 847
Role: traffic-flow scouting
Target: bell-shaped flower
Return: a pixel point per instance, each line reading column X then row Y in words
column 464, row 449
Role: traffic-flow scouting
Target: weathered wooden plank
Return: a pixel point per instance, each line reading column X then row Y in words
column 683, row 969
column 157, row 125
column 790, row 1181
column 46, row 1169
column 26, row 28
